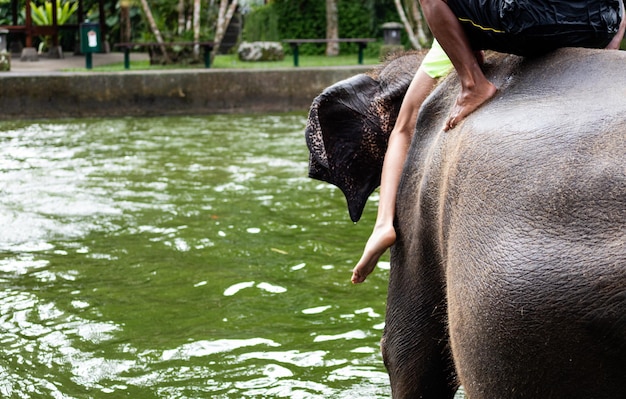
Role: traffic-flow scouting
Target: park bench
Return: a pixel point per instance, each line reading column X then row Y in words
column 14, row 28
column 33, row 31
column 39, row 30
column 295, row 43
column 128, row 46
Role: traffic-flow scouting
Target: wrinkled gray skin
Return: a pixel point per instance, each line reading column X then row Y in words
column 509, row 271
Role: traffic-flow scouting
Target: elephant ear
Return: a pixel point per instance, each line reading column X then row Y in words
column 347, row 133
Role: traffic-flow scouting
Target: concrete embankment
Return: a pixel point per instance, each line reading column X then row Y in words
column 151, row 93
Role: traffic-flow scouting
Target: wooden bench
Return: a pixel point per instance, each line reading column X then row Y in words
column 14, row 28
column 295, row 43
column 127, row 47
column 39, row 30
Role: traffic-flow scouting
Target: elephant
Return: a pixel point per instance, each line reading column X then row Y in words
column 508, row 274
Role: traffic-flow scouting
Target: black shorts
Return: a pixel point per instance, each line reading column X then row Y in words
column 531, row 27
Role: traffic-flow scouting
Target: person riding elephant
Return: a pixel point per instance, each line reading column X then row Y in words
column 522, row 27
column 602, row 27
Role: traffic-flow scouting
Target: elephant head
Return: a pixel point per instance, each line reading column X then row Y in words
column 349, row 125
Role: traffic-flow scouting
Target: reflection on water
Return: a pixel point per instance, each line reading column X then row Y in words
column 180, row 258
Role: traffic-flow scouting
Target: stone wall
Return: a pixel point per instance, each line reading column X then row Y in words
column 151, row 93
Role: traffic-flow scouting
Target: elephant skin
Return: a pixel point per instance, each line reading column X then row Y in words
column 508, row 275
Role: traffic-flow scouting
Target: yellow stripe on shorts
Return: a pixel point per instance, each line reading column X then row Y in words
column 479, row 26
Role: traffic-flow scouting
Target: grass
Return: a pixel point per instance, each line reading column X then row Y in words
column 230, row 61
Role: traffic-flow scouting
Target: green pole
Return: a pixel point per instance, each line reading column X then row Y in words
column 88, row 60
column 207, row 56
column 295, row 55
column 361, row 47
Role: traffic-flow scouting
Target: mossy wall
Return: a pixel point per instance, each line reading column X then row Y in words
column 164, row 93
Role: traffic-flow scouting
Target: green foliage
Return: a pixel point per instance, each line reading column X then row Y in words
column 306, row 19
column 165, row 13
column 113, row 21
column 302, row 19
column 280, row 19
column 356, row 19
column 42, row 15
column 5, row 12
column 384, row 11
column 261, row 24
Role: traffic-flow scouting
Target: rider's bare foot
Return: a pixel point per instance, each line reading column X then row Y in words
column 382, row 238
column 469, row 100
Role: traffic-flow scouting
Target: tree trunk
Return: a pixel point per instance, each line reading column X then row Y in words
column 421, row 27
column 332, row 28
column 125, row 33
column 407, row 26
column 224, row 15
column 155, row 29
column 181, row 16
column 196, row 29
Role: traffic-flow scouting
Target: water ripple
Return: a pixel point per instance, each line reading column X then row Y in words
column 180, row 258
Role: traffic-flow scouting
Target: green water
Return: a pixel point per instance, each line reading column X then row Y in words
column 180, row 258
